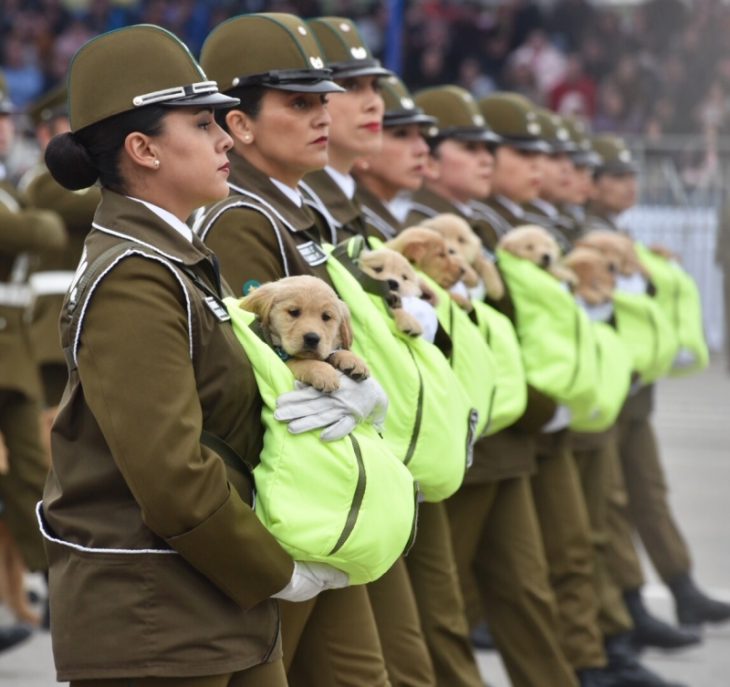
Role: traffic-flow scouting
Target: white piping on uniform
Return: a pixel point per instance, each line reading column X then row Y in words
column 203, row 231
column 89, row 549
column 119, row 234
column 93, row 286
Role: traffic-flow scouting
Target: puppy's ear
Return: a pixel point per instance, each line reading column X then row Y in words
column 260, row 301
column 414, row 251
column 490, row 276
column 345, row 332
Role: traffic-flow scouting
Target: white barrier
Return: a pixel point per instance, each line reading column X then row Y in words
column 690, row 232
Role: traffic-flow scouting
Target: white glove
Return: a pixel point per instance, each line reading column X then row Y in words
column 684, row 358
column 309, row 579
column 425, row 313
column 338, row 412
column 596, row 313
column 636, row 283
column 559, row 421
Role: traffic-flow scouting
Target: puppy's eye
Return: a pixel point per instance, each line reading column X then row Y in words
column 442, row 254
column 530, row 246
column 326, row 317
column 452, row 251
column 377, row 270
column 405, row 277
column 295, row 312
column 461, row 239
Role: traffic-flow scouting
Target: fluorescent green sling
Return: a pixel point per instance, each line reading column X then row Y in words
column 647, row 333
column 679, row 297
column 613, row 363
column 510, row 397
column 429, row 424
column 555, row 335
column 349, row 503
column 471, row 359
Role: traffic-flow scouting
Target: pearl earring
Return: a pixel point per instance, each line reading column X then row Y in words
column 157, row 164
column 247, row 138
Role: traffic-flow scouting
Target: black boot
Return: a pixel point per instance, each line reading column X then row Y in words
column 650, row 631
column 10, row 635
column 481, row 637
column 624, row 670
column 693, row 606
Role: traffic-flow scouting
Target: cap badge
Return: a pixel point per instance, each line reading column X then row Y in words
column 302, row 30
column 563, row 134
column 534, row 128
column 316, row 62
column 359, row 53
column 624, row 156
column 407, row 103
column 478, row 120
column 344, row 27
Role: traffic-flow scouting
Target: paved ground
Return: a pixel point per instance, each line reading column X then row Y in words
column 693, row 423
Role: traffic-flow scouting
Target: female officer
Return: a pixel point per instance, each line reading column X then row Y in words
column 399, row 165
column 263, row 232
column 357, row 132
column 159, row 570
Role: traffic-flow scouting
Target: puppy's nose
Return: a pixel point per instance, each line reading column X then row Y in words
column 311, row 339
column 545, row 260
column 393, row 285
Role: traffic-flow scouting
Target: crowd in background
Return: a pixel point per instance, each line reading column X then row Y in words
column 662, row 67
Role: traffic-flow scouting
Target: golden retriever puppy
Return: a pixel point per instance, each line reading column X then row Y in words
column 461, row 238
column 618, row 248
column 596, row 279
column 427, row 250
column 534, row 243
column 392, row 268
column 304, row 319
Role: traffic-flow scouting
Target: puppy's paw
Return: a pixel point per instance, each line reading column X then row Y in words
column 564, row 274
column 406, row 323
column 322, row 376
column 463, row 303
column 350, row 364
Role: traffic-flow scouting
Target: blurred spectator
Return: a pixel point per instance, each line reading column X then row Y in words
column 656, row 68
column 576, row 93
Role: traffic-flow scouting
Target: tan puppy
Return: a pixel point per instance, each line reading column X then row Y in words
column 596, row 280
column 388, row 266
column 533, row 243
column 303, row 317
column 460, row 237
column 618, row 248
column 427, row 250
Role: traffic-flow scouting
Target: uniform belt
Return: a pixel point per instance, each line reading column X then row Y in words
column 16, row 295
column 51, row 282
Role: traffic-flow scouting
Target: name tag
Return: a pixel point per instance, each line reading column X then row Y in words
column 218, row 309
column 312, row 253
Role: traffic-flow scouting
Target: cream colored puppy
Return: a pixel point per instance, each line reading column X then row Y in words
column 303, row 318
column 534, row 243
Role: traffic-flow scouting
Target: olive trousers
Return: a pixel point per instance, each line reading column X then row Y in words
column 595, row 456
column 435, row 582
column 399, row 628
column 565, row 527
column 22, row 487
column 644, row 504
column 264, row 675
column 497, row 543
column 332, row 641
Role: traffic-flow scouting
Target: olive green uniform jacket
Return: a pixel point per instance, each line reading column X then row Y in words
column 158, row 565
column 24, row 234
column 54, row 271
column 510, row 452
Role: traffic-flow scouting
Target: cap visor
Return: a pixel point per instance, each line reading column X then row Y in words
column 211, row 100
column 324, row 86
column 529, row 145
column 618, row 169
column 403, row 118
column 350, row 72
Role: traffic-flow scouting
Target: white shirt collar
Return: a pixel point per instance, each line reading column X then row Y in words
column 515, row 209
column 344, row 181
column 177, row 224
column 549, row 209
column 463, row 208
column 291, row 193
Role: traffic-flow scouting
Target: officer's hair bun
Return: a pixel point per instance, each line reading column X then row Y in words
column 69, row 162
